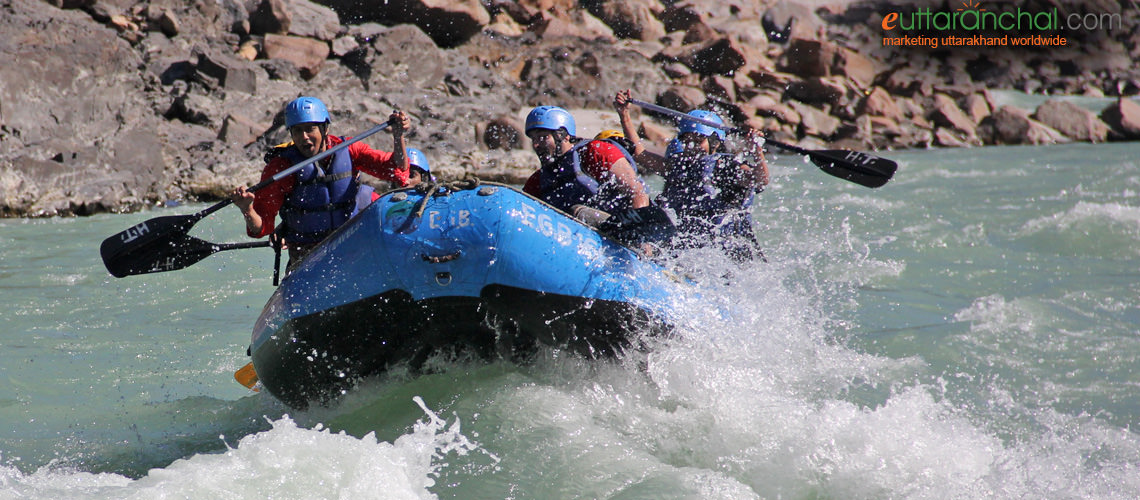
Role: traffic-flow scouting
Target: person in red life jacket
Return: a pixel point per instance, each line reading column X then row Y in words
column 577, row 174
column 320, row 197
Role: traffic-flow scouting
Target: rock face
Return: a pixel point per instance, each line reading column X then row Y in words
column 77, row 136
column 114, row 105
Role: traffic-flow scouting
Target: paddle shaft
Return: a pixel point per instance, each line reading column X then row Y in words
column 683, row 116
column 221, row 247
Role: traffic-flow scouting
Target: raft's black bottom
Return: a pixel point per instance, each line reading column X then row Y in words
column 319, row 356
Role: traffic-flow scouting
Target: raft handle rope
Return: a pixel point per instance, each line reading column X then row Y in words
column 430, row 189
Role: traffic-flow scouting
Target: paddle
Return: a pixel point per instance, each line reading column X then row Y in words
column 161, row 244
column 172, row 254
column 247, row 376
column 860, row 168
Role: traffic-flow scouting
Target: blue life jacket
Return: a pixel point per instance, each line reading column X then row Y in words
column 564, row 184
column 691, row 191
column 322, row 199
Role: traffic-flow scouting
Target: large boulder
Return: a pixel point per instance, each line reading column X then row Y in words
column 976, row 106
column 807, row 57
column 815, row 122
column 313, row 20
column 879, row 102
column 857, row 67
column 448, row 22
column 681, row 98
column 720, row 56
column 577, row 24
column 1074, row 121
column 404, row 55
column 307, row 54
column 787, row 19
column 817, row 91
column 629, row 18
column 271, row 16
column 226, row 72
column 568, row 73
column 770, row 106
column 1124, row 118
column 946, row 113
column 1010, row 125
column 503, row 132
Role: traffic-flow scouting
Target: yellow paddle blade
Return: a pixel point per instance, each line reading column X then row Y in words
column 247, row 376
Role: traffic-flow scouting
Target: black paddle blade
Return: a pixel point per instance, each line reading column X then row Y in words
column 121, row 251
column 860, row 168
column 164, row 254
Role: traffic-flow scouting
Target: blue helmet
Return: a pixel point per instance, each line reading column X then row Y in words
column 416, row 158
column 306, row 110
column 550, row 118
column 700, row 128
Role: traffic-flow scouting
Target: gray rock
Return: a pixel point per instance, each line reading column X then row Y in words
column 1010, row 125
column 307, row 54
column 448, row 23
column 270, row 16
column 1074, row 121
column 629, row 18
column 946, row 113
column 1124, row 118
column 227, row 73
column 405, row 55
column 313, row 20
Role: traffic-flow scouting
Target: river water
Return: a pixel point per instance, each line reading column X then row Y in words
column 967, row 331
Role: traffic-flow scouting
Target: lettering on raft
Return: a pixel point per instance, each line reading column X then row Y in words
column 559, row 231
column 462, row 220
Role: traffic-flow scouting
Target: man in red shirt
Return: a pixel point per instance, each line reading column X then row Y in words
column 575, row 172
column 320, row 197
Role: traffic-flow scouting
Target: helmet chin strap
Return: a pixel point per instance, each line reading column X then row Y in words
column 324, row 136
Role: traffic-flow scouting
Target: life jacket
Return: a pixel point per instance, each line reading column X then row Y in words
column 323, row 198
column 691, row 190
column 563, row 183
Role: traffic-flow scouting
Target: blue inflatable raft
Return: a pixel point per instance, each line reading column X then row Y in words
column 481, row 268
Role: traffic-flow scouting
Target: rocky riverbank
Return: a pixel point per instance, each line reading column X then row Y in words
column 115, row 105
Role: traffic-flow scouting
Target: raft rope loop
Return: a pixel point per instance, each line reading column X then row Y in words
column 430, row 189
